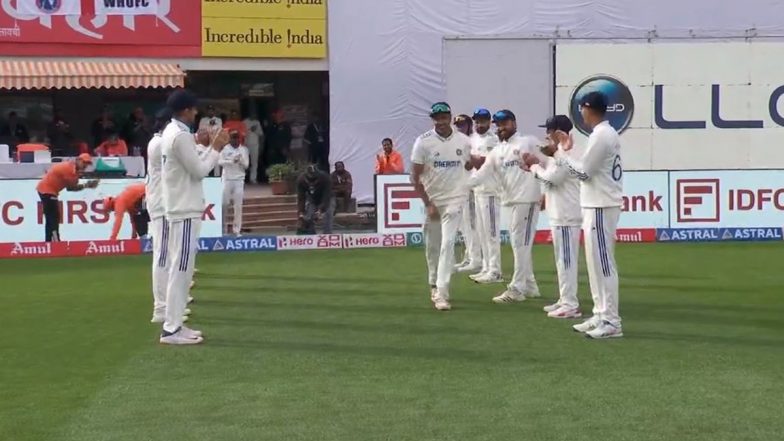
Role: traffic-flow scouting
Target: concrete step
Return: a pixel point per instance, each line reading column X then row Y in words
column 253, row 224
column 288, row 199
column 253, row 209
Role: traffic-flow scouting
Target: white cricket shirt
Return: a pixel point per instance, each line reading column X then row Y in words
column 183, row 171
column 599, row 169
column 234, row 171
column 517, row 186
column 445, row 178
column 561, row 192
column 482, row 145
column 153, row 191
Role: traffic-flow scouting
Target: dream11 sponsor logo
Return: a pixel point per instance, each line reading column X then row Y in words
column 620, row 103
column 716, row 118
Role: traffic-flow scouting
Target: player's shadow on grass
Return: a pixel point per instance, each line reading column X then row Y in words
column 381, row 327
column 281, row 278
column 428, row 353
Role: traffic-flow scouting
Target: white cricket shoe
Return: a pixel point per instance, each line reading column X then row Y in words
column 478, row 275
column 469, row 268
column 179, row 338
column 190, row 300
column 605, row 330
column 509, row 296
column 187, row 311
column 440, row 299
column 193, row 283
column 442, row 304
column 551, row 308
column 158, row 318
column 190, row 333
column 533, row 294
column 565, row 312
column 587, row 325
column 490, row 278
column 433, row 294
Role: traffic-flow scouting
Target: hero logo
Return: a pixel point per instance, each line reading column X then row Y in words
column 374, row 240
column 716, row 119
column 310, row 242
column 21, row 249
column 697, row 200
column 620, row 103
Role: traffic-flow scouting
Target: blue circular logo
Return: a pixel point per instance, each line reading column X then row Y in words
column 415, row 238
column 620, row 104
column 49, row 6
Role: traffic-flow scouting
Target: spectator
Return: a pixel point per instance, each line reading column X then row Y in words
column 61, row 141
column 14, row 129
column 233, row 123
column 103, row 126
column 389, row 162
column 61, row 176
column 210, row 121
column 254, row 139
column 342, row 186
column 316, row 141
column 315, row 200
column 113, row 146
column 278, row 139
column 137, row 132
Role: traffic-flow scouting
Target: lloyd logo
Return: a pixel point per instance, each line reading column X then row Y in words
column 716, row 119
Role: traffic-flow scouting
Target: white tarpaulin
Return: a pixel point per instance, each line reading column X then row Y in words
column 126, row 7
column 386, row 56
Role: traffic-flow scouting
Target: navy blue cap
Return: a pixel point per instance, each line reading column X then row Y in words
column 594, row 100
column 558, row 122
column 163, row 114
column 180, row 100
column 503, row 115
column 440, row 107
column 482, row 113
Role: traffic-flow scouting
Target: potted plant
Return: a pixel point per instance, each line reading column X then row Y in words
column 278, row 176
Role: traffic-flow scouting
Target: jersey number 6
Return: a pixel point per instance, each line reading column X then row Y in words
column 617, row 170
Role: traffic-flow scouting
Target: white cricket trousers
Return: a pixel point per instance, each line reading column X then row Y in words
column 522, row 232
column 599, row 225
column 233, row 193
column 181, row 255
column 160, row 237
column 440, row 235
column 468, row 227
column 566, row 248
column 488, row 214
column 253, row 155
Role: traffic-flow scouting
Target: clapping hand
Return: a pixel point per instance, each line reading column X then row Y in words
column 219, row 139
column 529, row 159
column 565, row 140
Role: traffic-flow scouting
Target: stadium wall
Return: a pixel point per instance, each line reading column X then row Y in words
column 386, row 69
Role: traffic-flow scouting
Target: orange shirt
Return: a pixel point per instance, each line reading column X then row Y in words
column 126, row 202
column 59, row 177
column 117, row 149
column 389, row 165
column 238, row 126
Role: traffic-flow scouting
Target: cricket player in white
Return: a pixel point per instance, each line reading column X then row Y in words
column 562, row 202
column 472, row 258
column 521, row 193
column 600, row 171
column 234, row 159
column 487, row 203
column 441, row 160
column 160, row 228
column 183, row 201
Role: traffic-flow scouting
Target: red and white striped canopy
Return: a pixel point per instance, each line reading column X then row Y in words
column 78, row 74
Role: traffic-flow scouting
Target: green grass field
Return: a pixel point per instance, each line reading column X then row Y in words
column 344, row 345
